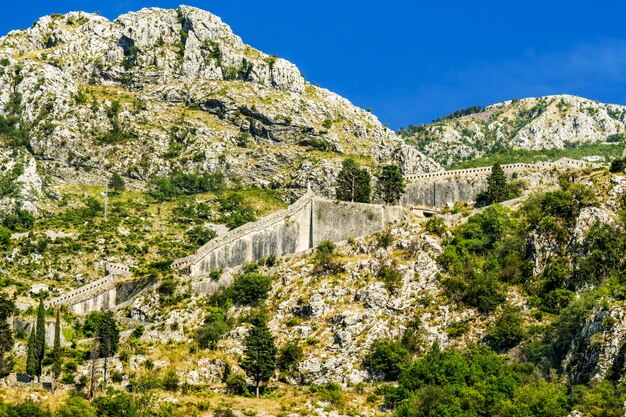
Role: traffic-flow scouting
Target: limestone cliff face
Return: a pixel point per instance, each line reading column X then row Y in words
column 161, row 90
column 533, row 123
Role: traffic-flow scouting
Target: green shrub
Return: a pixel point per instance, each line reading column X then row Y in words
column 236, row 212
column 618, row 165
column 171, row 381
column 250, row 288
column 289, row 356
column 167, row 287
column 386, row 360
column 137, row 332
column 168, row 188
column 458, row 328
column 200, row 235
column 325, row 258
column 507, row 330
column 215, row 274
column 330, row 392
column 436, row 226
column 384, row 239
column 146, row 383
column 319, row 144
column 224, row 412
column 214, row 327
column 236, row 385
column 616, row 138
column 391, row 277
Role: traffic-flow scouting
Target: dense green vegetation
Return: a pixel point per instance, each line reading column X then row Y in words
column 7, row 307
column 413, row 130
column 478, row 382
column 167, row 222
column 486, row 258
column 514, row 156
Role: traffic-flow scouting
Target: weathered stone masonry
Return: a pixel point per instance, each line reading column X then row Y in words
column 95, row 296
column 294, row 230
column 439, row 189
column 310, row 220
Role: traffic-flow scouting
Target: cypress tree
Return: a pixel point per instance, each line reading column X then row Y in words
column 40, row 337
column 353, row 183
column 497, row 185
column 391, row 184
column 31, row 360
column 109, row 339
column 95, row 349
column 7, row 307
column 498, row 188
column 56, row 350
column 259, row 360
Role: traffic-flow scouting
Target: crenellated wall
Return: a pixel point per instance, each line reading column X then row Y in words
column 99, row 295
column 307, row 222
column 295, row 230
column 440, row 189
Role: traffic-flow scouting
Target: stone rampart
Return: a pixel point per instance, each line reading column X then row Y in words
column 439, row 189
column 563, row 163
column 83, row 293
column 294, row 230
column 119, row 270
column 95, row 296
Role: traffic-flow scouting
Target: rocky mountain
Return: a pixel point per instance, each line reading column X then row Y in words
column 517, row 308
column 554, row 122
column 158, row 91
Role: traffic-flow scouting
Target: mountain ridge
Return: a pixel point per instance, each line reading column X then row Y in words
column 550, row 122
column 158, row 91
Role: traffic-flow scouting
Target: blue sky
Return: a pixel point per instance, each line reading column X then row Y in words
column 413, row 61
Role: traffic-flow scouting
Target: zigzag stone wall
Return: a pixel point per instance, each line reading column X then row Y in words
column 440, row 189
column 295, row 230
column 313, row 219
column 95, row 296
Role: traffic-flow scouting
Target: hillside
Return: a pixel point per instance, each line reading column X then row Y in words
column 521, row 130
column 149, row 138
column 204, row 130
column 159, row 91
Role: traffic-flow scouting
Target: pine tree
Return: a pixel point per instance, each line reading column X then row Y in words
column 109, row 339
column 7, row 307
column 498, row 188
column 56, row 351
column 353, row 183
column 259, row 360
column 31, row 360
column 391, row 184
column 40, row 337
column 116, row 183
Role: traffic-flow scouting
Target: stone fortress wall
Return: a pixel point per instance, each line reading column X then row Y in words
column 313, row 219
column 310, row 220
column 95, row 296
column 296, row 229
column 441, row 189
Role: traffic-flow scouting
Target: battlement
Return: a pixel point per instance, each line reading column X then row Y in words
column 563, row 163
column 82, row 293
column 116, row 269
column 113, row 272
